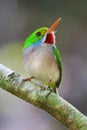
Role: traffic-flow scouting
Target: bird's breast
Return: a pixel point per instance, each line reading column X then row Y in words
column 40, row 63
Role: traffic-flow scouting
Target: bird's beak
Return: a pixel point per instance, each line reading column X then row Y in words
column 55, row 24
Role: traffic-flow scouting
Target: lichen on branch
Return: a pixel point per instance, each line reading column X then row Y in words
column 44, row 99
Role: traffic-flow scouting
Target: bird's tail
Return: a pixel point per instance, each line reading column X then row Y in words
column 56, row 91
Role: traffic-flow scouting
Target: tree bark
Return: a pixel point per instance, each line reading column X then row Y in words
column 42, row 98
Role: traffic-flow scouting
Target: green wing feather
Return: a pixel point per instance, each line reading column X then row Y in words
column 58, row 58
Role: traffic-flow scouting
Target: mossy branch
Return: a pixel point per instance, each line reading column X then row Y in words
column 44, row 99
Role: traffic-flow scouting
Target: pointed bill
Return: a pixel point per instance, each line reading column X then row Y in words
column 51, row 29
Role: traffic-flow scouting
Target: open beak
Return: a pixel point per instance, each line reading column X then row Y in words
column 55, row 24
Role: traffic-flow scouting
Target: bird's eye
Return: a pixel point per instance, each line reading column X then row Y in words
column 38, row 33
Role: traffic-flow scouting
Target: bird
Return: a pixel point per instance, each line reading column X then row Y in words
column 41, row 57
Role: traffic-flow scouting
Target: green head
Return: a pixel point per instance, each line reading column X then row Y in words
column 35, row 37
column 38, row 35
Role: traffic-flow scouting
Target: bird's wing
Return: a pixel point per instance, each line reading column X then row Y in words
column 58, row 59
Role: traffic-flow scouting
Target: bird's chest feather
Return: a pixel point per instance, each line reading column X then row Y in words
column 40, row 62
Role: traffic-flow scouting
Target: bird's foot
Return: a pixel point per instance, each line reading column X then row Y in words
column 44, row 87
column 28, row 79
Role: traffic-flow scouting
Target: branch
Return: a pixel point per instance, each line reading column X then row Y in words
column 44, row 99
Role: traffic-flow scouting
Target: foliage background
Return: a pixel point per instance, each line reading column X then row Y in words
column 18, row 18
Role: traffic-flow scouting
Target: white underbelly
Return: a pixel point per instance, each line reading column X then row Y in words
column 41, row 64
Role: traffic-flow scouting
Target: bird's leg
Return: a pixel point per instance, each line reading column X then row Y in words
column 41, row 84
column 57, row 91
column 28, row 79
column 37, row 82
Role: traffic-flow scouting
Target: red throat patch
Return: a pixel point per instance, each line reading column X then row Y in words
column 50, row 38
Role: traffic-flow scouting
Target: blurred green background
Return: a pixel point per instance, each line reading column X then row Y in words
column 18, row 19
